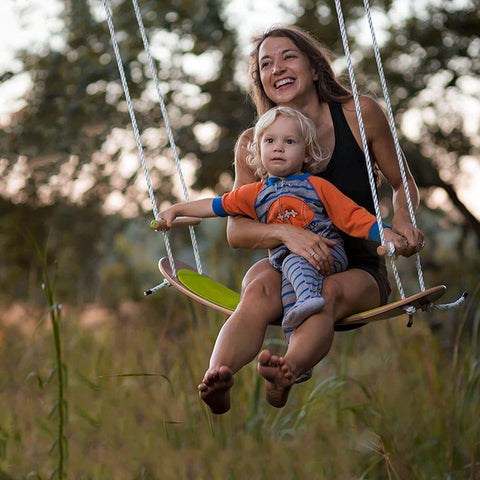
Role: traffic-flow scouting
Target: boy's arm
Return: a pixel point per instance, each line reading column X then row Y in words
column 239, row 202
column 351, row 218
column 199, row 208
column 345, row 214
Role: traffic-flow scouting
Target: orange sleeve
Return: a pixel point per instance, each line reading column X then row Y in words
column 345, row 214
column 241, row 201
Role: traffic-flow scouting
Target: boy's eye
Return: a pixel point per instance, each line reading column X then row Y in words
column 290, row 141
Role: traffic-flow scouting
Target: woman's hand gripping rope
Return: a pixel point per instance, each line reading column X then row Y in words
column 414, row 237
column 395, row 244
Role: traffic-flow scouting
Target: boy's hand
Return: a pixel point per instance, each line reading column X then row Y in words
column 169, row 215
column 400, row 242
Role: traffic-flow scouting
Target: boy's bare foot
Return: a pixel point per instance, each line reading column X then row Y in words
column 278, row 378
column 215, row 389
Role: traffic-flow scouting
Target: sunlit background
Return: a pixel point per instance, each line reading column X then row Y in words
column 35, row 25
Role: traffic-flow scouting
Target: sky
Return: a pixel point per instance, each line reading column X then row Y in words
column 32, row 24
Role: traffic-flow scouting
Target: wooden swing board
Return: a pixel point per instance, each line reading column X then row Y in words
column 394, row 309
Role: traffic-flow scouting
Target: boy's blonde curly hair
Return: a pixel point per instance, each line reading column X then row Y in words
column 315, row 156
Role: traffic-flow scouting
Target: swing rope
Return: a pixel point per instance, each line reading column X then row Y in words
column 400, row 158
column 410, row 310
column 136, row 131
column 169, row 131
column 371, row 177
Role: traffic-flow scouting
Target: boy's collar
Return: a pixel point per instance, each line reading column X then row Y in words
column 273, row 180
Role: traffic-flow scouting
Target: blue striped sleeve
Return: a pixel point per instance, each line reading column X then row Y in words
column 218, row 207
column 374, row 233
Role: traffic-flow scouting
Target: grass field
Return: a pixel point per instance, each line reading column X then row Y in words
column 387, row 403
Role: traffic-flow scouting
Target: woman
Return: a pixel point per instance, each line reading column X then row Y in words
column 289, row 67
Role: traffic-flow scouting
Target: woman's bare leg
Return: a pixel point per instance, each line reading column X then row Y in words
column 242, row 335
column 345, row 293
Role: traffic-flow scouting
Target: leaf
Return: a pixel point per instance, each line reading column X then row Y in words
column 39, row 379
column 45, row 315
column 33, row 474
column 54, row 473
column 53, row 410
column 54, row 444
column 52, row 374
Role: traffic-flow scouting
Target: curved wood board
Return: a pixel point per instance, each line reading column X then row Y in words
column 419, row 300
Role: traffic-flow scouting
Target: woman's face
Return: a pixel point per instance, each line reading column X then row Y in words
column 285, row 72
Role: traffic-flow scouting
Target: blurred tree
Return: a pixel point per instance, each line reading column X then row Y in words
column 74, row 240
column 75, row 125
column 96, row 258
column 441, row 86
column 75, row 104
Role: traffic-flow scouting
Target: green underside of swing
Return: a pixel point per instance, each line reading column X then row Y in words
column 208, row 289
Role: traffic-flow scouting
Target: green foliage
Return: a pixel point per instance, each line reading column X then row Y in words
column 76, row 102
column 387, row 402
column 72, row 238
column 59, row 372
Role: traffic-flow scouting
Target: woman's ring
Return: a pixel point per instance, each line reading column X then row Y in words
column 312, row 254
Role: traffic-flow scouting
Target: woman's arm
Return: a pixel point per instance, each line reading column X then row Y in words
column 382, row 148
column 244, row 232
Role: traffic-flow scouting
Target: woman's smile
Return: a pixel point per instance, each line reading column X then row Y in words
column 283, row 82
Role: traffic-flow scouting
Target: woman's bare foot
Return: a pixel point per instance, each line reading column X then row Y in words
column 278, row 378
column 215, row 389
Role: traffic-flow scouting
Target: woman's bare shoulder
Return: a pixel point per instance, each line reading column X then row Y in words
column 373, row 116
column 368, row 106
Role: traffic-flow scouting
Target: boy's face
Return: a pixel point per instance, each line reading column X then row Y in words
column 282, row 148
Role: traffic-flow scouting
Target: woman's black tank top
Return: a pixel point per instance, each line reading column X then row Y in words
column 348, row 172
